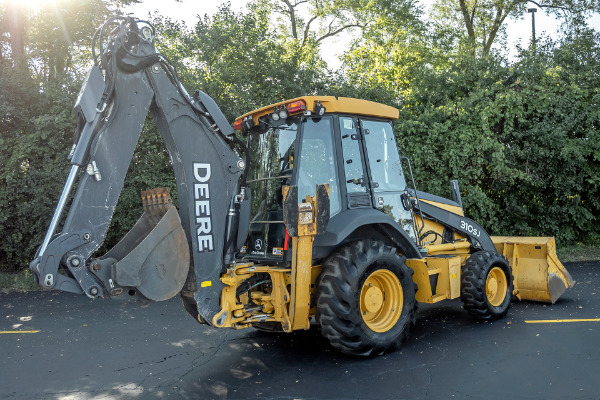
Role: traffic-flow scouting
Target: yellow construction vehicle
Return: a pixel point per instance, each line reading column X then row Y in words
column 308, row 212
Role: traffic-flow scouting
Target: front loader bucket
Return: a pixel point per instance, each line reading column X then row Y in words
column 538, row 273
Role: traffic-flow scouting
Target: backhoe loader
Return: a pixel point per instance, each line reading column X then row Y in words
column 306, row 213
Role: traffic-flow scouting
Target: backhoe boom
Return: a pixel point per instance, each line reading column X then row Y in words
column 153, row 261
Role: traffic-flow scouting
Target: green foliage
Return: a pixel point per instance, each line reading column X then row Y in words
column 20, row 282
column 237, row 59
column 34, row 141
column 443, row 129
column 36, row 121
column 549, row 121
column 55, row 43
column 521, row 136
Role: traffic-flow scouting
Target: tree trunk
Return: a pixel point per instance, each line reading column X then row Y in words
column 16, row 30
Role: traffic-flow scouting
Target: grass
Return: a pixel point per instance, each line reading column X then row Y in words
column 19, row 282
column 578, row 253
column 23, row 281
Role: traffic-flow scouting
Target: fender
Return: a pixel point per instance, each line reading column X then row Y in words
column 342, row 225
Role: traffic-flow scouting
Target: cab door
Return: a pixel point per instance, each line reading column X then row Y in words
column 386, row 176
column 358, row 194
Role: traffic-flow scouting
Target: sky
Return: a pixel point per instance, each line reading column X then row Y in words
column 519, row 31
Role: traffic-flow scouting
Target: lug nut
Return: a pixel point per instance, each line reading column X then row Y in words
column 93, row 290
column 96, row 267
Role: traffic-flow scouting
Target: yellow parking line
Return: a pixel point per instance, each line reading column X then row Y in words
column 4, row 332
column 550, row 321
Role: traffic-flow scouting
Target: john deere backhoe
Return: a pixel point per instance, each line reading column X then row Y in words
column 307, row 212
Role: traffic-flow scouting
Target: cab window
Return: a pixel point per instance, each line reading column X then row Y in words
column 384, row 163
column 317, row 161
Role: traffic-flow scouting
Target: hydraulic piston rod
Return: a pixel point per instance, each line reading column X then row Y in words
column 59, row 208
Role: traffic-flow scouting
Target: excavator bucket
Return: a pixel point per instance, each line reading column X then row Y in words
column 538, row 273
column 154, row 256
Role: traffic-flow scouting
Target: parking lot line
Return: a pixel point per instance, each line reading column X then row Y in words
column 5, row 332
column 550, row 321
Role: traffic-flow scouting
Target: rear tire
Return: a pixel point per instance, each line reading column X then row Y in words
column 486, row 285
column 366, row 299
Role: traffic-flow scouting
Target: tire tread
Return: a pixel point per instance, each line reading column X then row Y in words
column 473, row 285
column 337, row 311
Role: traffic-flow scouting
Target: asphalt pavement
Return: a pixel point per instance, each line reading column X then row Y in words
column 60, row 346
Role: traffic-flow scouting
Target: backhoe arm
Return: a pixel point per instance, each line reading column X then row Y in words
column 153, row 261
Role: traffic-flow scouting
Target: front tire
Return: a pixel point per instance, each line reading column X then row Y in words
column 486, row 285
column 366, row 299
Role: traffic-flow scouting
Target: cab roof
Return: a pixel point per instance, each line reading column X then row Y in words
column 332, row 104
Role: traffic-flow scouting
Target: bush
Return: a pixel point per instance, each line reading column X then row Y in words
column 523, row 140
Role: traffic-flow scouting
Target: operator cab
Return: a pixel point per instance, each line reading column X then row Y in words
column 347, row 143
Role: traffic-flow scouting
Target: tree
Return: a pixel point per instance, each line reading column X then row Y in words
column 319, row 21
column 40, row 77
column 479, row 23
column 549, row 122
column 521, row 137
column 308, row 23
column 238, row 59
column 12, row 26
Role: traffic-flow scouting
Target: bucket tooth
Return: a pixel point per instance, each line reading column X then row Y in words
column 156, row 203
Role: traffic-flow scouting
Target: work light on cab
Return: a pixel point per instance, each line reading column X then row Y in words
column 248, row 123
column 283, row 114
column 275, row 114
column 319, row 109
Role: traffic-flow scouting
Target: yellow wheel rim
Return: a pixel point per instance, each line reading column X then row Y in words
column 496, row 286
column 381, row 300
